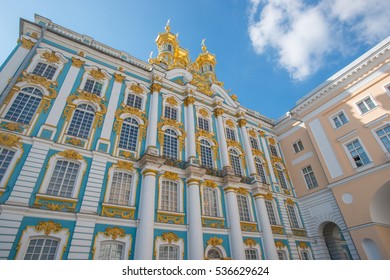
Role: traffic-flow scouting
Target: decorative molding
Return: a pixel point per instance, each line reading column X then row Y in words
column 50, row 57
column 250, row 242
column 242, row 191
column 169, row 236
column 214, row 241
column 124, row 165
column 242, row 122
column 289, row 201
column 248, row 226
column 118, row 211
column 10, row 140
column 97, row 74
column 171, row 101
column 280, row 244
column 26, row 43
column 189, row 100
column 114, row 232
column 303, row 245
column 218, row 112
column 119, row 78
column 155, row 87
column 203, row 112
column 171, row 176
column 230, row 123
column 177, row 219
column 77, row 62
column 48, row 227
column 252, row 133
column 277, row 229
column 137, row 89
column 210, row 183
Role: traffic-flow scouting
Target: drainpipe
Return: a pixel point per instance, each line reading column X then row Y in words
column 23, row 66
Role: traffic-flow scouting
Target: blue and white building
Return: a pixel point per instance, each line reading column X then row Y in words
column 105, row 156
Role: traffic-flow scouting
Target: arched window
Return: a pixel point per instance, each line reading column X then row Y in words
column 251, row 254
column 129, row 134
column 282, row 255
column 170, row 196
column 235, row 162
column 134, row 101
column 230, row 134
column 93, row 87
column 6, row 156
column 243, row 208
column 170, row 144
column 120, row 191
column 82, row 120
column 41, row 248
column 44, row 70
column 273, row 150
column 271, row 212
column 206, row 153
column 25, row 105
column 281, row 177
column 260, row 170
column 210, row 202
column 203, row 124
column 305, row 255
column 214, row 254
column 169, row 252
column 254, row 143
column 170, row 113
column 63, row 179
column 111, row 250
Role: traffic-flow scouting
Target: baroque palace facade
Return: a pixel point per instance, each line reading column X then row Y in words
column 104, row 156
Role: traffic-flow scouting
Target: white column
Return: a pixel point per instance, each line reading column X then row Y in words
column 195, row 234
column 221, row 137
column 265, row 226
column 236, row 242
column 144, row 239
column 248, row 147
column 151, row 137
column 60, row 101
column 190, row 127
column 14, row 62
column 112, row 106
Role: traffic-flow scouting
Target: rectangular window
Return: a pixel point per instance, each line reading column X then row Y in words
column 243, row 208
column 134, row 101
column 111, row 251
column 203, row 124
column 94, row 87
column 339, row 120
column 44, row 70
column 168, row 252
column 310, row 179
column 274, row 151
column 169, row 196
column 357, row 153
column 384, row 136
column 63, row 179
column 271, row 213
column 298, row 146
column 41, row 249
column 366, row 105
column 251, row 254
column 210, row 204
column 293, row 216
column 254, row 143
column 120, row 192
column 170, row 113
column 230, row 134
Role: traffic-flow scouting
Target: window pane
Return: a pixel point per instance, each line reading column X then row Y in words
column 169, row 196
column 168, row 252
column 251, row 254
column 293, row 217
column 82, row 120
column 120, row 192
column 243, row 208
column 206, row 154
column 170, row 144
column 236, row 165
column 271, row 213
column 210, row 205
column 129, row 135
column 63, row 179
column 110, row 250
column 384, row 136
column 6, row 156
column 41, row 249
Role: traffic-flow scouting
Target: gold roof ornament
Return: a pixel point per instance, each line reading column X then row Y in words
column 204, row 48
column 167, row 26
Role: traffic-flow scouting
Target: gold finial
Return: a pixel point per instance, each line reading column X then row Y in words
column 204, row 48
column 168, row 27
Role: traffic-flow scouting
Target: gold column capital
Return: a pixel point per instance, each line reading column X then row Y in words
column 77, row 62
column 150, row 172
column 218, row 112
column 26, row 43
column 119, row 78
column 189, row 100
column 242, row 122
column 155, row 87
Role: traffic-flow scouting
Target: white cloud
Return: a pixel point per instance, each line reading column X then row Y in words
column 302, row 34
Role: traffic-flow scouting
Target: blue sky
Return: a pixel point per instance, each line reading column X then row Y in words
column 269, row 53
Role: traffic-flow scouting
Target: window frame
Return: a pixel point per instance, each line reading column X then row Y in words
column 259, row 161
column 217, row 198
column 274, row 211
column 160, row 241
column 210, row 146
column 296, row 216
column 133, row 186
column 363, row 100
column 18, row 151
column 337, row 115
column 235, row 168
column 91, row 128
column 350, row 157
column 101, row 237
column 163, row 145
column 39, row 57
column 232, row 133
column 137, row 140
column 378, row 138
column 299, row 148
column 104, row 81
column 249, row 205
column 283, row 173
column 180, row 194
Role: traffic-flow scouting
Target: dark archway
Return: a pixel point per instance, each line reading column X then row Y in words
column 335, row 242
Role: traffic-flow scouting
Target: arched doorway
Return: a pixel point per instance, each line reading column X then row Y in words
column 335, row 242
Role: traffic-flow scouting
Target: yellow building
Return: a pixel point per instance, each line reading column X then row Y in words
column 336, row 142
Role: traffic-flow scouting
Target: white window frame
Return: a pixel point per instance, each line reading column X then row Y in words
column 133, row 187
column 49, row 173
column 337, row 116
column 30, row 232
column 350, row 158
column 101, row 237
column 180, row 194
column 219, row 247
column 91, row 129
column 363, row 100
column 233, row 132
column 143, row 95
column 238, row 154
column 159, row 241
column 138, row 134
column 38, row 58
column 304, row 177
column 250, row 208
column 297, row 216
column 301, row 251
column 284, row 253
column 283, row 170
column 276, row 150
column 275, row 212
column 176, row 107
column 258, row 160
column 211, row 152
column 178, row 154
column 296, row 144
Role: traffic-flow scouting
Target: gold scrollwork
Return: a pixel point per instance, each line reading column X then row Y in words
column 279, row 244
column 38, row 80
column 123, row 212
column 252, row 133
column 230, row 123
column 114, row 232
column 155, row 87
column 50, row 57
column 242, row 191
column 189, row 100
column 236, row 144
column 210, row 183
column 242, row 122
column 9, row 140
column 97, row 74
column 289, row 201
column 119, row 78
column 125, row 165
column 204, row 113
column 214, row 241
column 27, row 44
column 303, row 245
column 169, row 236
column 218, row 112
column 166, row 218
column 251, row 227
column 48, row 227
column 172, row 101
column 77, row 62
column 137, row 89
column 171, row 176
column 277, row 229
